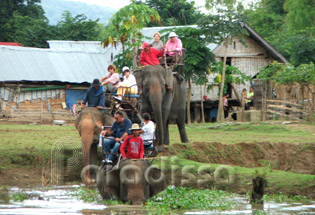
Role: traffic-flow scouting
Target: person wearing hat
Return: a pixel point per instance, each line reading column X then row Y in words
column 133, row 143
column 111, row 80
column 173, row 48
column 94, row 96
column 157, row 42
column 150, row 55
column 128, row 85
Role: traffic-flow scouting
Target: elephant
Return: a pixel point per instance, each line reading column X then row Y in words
column 89, row 124
column 131, row 180
column 163, row 104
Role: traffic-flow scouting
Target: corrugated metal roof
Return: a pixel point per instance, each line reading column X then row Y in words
column 34, row 64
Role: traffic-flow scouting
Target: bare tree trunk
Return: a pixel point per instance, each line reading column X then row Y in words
column 201, row 105
column 188, row 102
column 220, row 114
column 134, row 49
column 236, row 93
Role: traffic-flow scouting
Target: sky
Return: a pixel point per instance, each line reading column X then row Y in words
column 117, row 4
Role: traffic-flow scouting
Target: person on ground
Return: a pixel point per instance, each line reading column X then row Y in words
column 150, row 55
column 133, row 143
column 173, row 48
column 244, row 99
column 226, row 105
column 129, row 84
column 158, row 44
column 118, row 132
column 94, row 96
column 147, row 131
column 111, row 80
column 250, row 97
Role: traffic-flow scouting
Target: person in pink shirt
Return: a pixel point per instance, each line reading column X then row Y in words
column 111, row 80
column 174, row 47
column 150, row 55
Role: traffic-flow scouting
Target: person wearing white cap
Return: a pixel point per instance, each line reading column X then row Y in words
column 173, row 45
column 128, row 86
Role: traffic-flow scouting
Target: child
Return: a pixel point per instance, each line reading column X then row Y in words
column 134, row 144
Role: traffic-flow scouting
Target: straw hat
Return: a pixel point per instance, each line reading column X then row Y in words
column 135, row 127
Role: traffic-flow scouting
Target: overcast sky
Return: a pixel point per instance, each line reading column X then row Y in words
column 117, row 4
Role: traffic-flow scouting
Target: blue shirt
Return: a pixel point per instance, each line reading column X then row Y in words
column 119, row 129
column 95, row 98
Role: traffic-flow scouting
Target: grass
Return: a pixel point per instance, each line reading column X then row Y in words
column 247, row 133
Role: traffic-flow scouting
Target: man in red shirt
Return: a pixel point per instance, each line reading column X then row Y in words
column 134, row 144
column 150, row 55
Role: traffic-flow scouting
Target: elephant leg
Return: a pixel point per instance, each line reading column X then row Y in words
column 166, row 134
column 136, row 194
column 180, row 121
column 93, row 160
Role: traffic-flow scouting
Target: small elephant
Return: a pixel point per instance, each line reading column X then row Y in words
column 89, row 124
column 134, row 180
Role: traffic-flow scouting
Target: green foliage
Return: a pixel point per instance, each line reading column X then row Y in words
column 20, row 196
column 281, row 197
column 232, row 75
column 93, row 195
column 177, row 198
column 303, row 74
column 125, row 27
column 77, row 28
column 301, row 15
column 175, row 12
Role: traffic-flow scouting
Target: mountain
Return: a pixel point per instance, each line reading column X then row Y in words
column 54, row 9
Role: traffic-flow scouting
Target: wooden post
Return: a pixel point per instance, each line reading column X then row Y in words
column 41, row 111
column 201, row 104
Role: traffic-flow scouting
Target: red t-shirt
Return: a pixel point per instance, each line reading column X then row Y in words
column 151, row 58
column 135, row 148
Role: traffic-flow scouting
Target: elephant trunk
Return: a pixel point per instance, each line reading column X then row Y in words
column 156, row 103
column 86, row 131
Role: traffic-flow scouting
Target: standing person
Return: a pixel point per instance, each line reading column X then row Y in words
column 250, row 97
column 158, row 44
column 150, row 55
column 94, row 96
column 111, row 80
column 129, row 84
column 119, row 131
column 133, row 143
column 174, row 47
column 244, row 99
column 226, row 105
column 147, row 131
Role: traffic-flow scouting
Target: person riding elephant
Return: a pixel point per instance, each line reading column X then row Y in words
column 133, row 143
column 161, row 103
column 119, row 130
column 94, row 96
column 111, row 80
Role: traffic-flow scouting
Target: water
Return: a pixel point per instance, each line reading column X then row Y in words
column 60, row 200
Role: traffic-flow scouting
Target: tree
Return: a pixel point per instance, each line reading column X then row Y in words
column 175, row 12
column 125, row 27
column 301, row 16
column 222, row 28
column 76, row 28
column 12, row 24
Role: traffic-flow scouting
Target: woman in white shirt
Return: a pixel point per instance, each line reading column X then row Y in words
column 128, row 86
column 147, row 131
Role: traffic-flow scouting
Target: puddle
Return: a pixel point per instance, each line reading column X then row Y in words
column 60, row 200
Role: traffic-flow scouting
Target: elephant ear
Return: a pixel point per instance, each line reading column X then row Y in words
column 138, row 75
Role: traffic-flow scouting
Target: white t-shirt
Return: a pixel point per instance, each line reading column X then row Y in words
column 131, row 81
column 148, row 131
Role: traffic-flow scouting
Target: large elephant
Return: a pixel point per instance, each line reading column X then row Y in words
column 163, row 104
column 89, row 125
column 131, row 180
